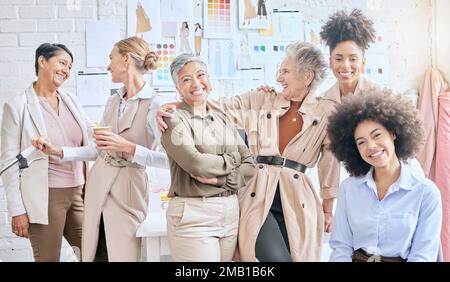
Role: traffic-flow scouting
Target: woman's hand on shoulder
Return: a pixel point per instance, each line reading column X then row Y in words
column 268, row 89
column 165, row 111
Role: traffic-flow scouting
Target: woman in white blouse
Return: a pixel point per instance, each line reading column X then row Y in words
column 117, row 188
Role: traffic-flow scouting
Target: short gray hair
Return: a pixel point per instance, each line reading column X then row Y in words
column 308, row 58
column 180, row 61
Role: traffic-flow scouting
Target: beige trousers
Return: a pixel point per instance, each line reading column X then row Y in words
column 65, row 218
column 203, row 229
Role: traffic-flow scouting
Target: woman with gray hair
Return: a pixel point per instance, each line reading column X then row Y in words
column 209, row 163
column 282, row 217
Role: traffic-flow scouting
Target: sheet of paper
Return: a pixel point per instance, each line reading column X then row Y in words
column 312, row 35
column 248, row 79
column 93, row 89
column 177, row 10
column 169, row 29
column 219, row 19
column 100, row 39
column 222, row 58
column 287, row 25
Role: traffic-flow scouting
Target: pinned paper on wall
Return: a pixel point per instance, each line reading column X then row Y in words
column 287, row 25
column 144, row 19
column 312, row 35
column 218, row 18
column 100, row 39
column 254, row 14
column 244, row 59
column 198, row 9
column 267, row 31
column 249, row 79
column 169, row 29
column 270, row 74
column 176, row 10
column 377, row 68
column 262, row 48
column 222, row 58
column 167, row 52
column 259, row 48
column 185, row 37
column 93, row 89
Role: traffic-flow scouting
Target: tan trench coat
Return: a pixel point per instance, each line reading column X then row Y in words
column 364, row 85
column 258, row 114
column 119, row 193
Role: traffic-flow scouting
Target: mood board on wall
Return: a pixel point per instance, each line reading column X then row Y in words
column 232, row 37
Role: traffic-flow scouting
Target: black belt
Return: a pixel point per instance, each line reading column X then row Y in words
column 362, row 256
column 281, row 161
column 224, row 194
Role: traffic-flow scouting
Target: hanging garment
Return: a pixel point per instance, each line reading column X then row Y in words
column 442, row 177
column 431, row 86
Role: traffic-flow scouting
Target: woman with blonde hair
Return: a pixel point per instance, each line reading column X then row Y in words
column 117, row 188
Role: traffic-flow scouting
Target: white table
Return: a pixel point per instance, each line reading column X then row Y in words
column 153, row 229
column 154, row 233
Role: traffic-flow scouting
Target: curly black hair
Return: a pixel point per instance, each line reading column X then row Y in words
column 395, row 112
column 343, row 27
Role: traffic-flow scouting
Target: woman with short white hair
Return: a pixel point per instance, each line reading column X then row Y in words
column 209, row 163
column 282, row 217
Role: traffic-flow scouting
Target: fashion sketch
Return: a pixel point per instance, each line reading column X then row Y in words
column 184, row 39
column 249, row 11
column 198, row 33
column 142, row 21
column 262, row 11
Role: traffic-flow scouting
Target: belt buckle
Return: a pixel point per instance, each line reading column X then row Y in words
column 284, row 161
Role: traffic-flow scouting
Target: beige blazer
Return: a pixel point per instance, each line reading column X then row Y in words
column 119, row 194
column 27, row 190
column 258, row 114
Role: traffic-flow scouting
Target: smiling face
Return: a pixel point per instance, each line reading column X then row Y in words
column 193, row 84
column 347, row 62
column 56, row 69
column 375, row 144
column 293, row 83
column 117, row 66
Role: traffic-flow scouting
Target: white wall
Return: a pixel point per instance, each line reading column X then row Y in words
column 442, row 37
column 24, row 24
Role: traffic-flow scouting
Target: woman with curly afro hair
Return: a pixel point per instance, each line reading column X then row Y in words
column 384, row 211
column 348, row 36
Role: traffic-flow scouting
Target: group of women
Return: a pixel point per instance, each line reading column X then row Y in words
column 229, row 200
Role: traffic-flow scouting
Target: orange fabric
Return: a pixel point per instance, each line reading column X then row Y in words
column 291, row 124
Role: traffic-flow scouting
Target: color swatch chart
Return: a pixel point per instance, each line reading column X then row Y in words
column 219, row 16
column 167, row 53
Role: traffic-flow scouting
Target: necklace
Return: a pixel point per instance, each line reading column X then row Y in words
column 294, row 119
